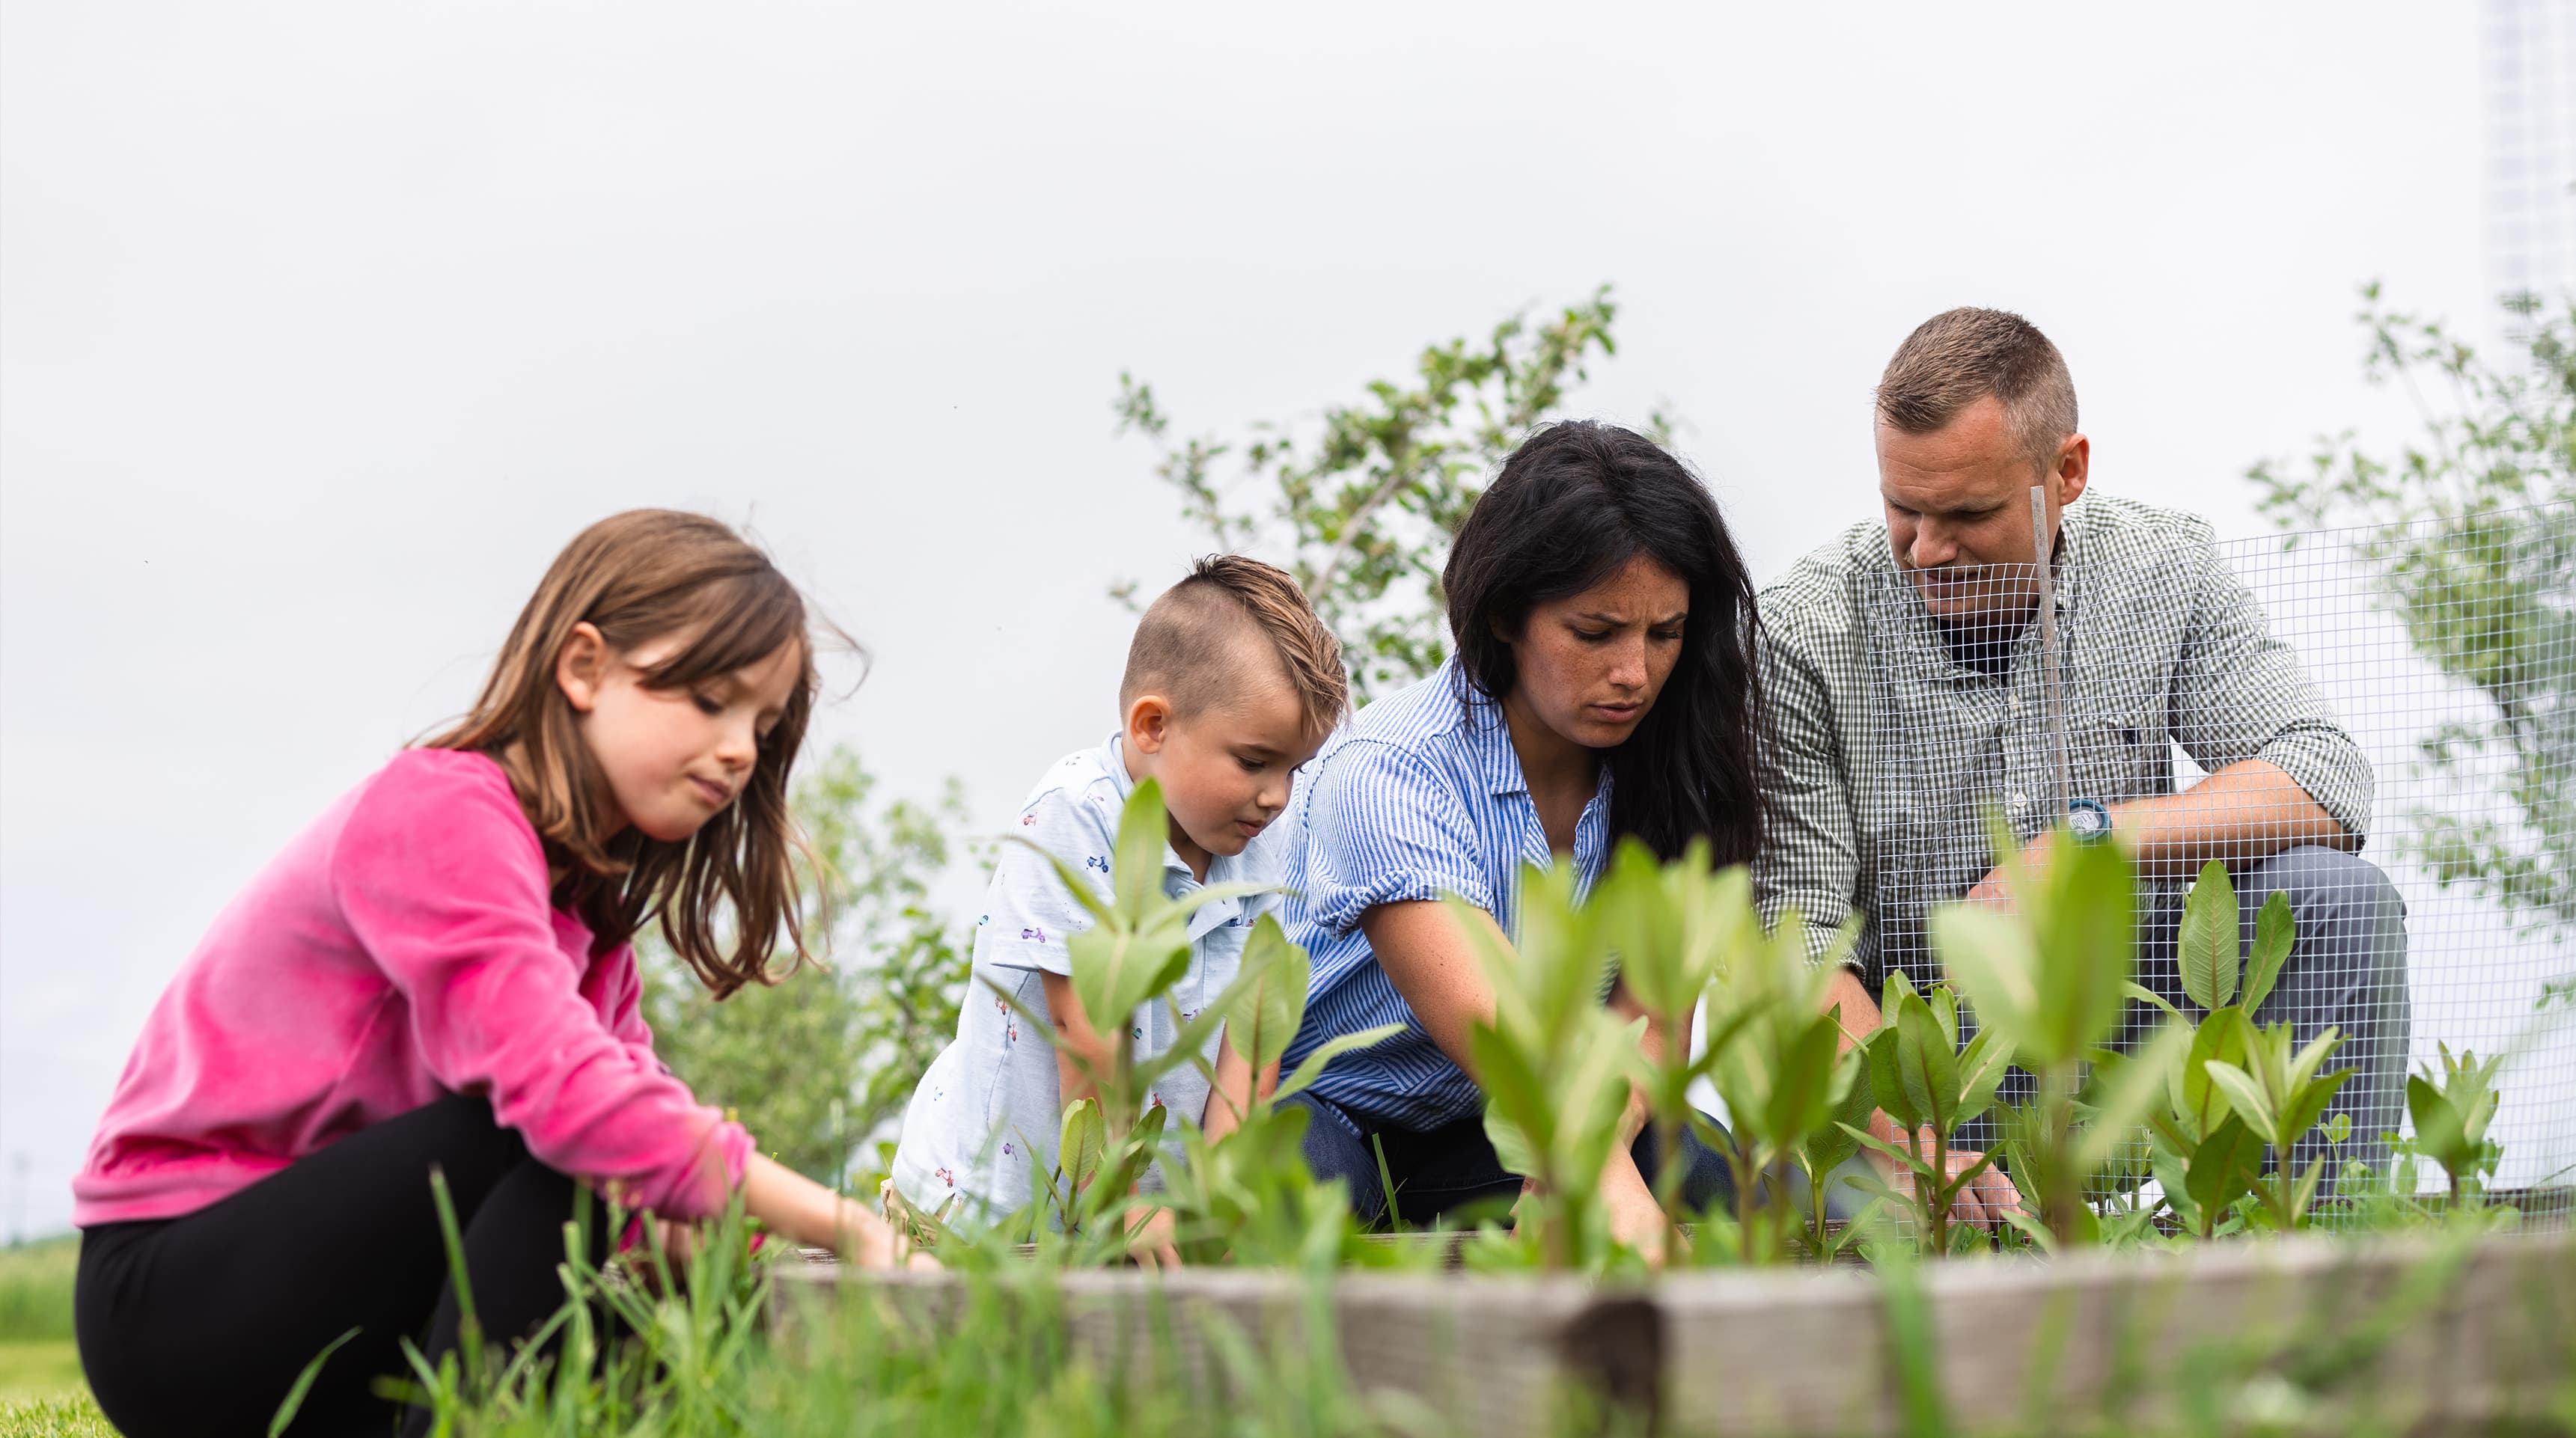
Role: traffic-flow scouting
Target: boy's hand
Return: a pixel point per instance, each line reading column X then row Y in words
column 1153, row 1238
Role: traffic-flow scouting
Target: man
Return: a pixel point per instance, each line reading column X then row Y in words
column 1908, row 697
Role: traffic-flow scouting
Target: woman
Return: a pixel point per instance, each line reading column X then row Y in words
column 1603, row 686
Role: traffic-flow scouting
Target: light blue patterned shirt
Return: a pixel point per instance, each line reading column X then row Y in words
column 1419, row 796
column 982, row 1124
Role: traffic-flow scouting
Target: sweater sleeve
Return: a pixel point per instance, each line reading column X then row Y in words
column 442, row 880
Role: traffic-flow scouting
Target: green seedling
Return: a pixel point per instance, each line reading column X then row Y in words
column 2204, row 1162
column 1556, row 1066
column 1825, row 1152
column 2205, row 1159
column 2279, row 1095
column 2451, row 1119
column 1922, row 1079
column 2050, row 977
column 1250, row 1195
column 1673, row 928
column 1137, row 947
column 1682, row 936
column 2239, row 1087
column 1775, row 1056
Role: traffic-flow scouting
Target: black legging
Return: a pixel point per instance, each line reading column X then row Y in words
column 199, row 1324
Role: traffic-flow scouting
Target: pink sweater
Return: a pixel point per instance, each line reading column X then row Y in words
column 402, row 945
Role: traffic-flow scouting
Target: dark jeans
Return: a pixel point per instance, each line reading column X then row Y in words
column 2346, row 969
column 200, row 1324
column 1448, row 1168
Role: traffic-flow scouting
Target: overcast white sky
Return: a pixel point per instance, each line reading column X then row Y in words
column 322, row 328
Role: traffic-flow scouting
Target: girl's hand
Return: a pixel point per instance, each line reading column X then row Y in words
column 679, row 1240
column 1153, row 1238
column 869, row 1241
column 816, row 1217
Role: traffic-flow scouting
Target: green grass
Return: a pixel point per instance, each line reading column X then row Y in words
column 41, row 1394
column 43, row 1368
column 72, row 1417
column 36, row 1289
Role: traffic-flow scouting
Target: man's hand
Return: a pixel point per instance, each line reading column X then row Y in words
column 1990, row 891
column 1152, row 1238
column 1983, row 1201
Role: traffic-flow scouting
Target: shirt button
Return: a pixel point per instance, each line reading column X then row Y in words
column 2020, row 800
column 2015, row 706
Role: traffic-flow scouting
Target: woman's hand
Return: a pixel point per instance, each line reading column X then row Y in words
column 1635, row 1218
column 1236, row 1089
column 1153, row 1238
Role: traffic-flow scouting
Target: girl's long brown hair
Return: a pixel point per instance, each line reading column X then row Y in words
column 641, row 576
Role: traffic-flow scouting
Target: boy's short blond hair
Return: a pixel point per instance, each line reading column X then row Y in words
column 1191, row 645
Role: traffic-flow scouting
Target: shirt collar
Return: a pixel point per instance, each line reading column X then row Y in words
column 1489, row 740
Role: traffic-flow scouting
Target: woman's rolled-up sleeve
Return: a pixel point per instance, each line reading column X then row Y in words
column 1385, row 826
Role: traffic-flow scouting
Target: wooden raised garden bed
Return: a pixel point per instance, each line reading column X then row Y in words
column 2421, row 1334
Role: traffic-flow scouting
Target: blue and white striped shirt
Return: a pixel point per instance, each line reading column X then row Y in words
column 1419, row 796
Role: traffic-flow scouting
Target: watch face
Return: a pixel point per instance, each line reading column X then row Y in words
column 2088, row 818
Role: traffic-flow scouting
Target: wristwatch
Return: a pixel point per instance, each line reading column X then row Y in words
column 2089, row 819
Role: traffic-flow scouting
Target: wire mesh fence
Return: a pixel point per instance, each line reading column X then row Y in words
column 2412, row 684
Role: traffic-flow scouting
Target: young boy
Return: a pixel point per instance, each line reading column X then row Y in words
column 1231, row 684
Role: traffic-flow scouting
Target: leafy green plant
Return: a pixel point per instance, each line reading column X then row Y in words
column 1137, row 947
column 1681, row 936
column 1775, row 1058
column 2050, row 976
column 1672, row 928
column 1920, row 1077
column 1249, row 1196
column 2211, row 954
column 2451, row 1109
column 1556, row 1065
column 2205, row 1157
column 2279, row 1095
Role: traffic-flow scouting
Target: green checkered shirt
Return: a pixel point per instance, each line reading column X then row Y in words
column 1885, row 752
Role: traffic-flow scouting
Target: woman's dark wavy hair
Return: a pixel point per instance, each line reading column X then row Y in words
column 1575, row 502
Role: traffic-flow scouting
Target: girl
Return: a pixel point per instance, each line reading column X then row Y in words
column 438, row 975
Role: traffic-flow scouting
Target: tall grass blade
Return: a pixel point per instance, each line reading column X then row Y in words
column 469, row 1329
column 304, row 1384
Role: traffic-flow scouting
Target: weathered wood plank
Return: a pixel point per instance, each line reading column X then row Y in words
column 2430, row 1336
column 2462, row 1335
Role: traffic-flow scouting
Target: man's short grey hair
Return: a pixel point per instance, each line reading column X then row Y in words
column 1958, row 357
